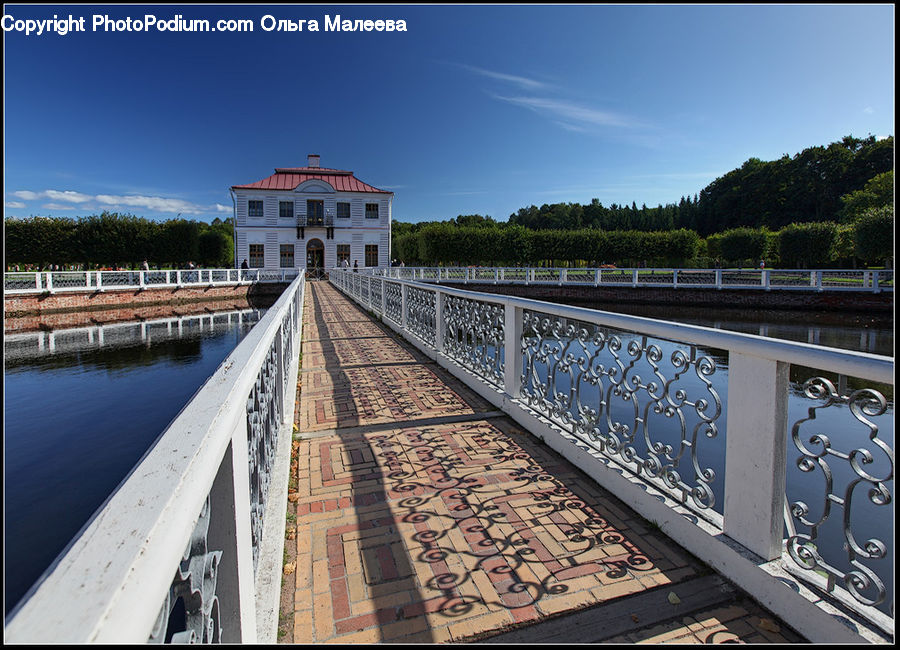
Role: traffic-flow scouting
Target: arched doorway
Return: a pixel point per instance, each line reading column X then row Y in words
column 315, row 259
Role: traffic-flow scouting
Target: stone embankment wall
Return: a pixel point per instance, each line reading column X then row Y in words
column 88, row 301
column 734, row 298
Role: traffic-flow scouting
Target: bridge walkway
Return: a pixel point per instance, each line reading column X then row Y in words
column 420, row 514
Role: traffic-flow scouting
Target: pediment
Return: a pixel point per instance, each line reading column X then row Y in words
column 315, row 186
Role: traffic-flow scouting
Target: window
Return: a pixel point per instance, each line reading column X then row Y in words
column 257, row 256
column 343, row 253
column 254, row 208
column 287, row 256
column 315, row 213
column 343, row 210
column 371, row 254
column 286, row 209
column 371, row 210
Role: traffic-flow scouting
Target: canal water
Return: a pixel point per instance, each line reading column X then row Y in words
column 81, row 407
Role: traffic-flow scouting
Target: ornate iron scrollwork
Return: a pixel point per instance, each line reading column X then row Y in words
column 263, row 408
column 190, row 613
column 587, row 380
column 870, row 470
column 474, row 336
column 393, row 296
column 421, row 313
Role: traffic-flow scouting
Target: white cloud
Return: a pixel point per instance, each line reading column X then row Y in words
column 158, row 203
column 570, row 112
column 868, row 110
column 69, row 199
column 524, row 82
column 68, row 196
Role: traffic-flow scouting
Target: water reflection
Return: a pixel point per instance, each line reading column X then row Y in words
column 859, row 331
column 81, row 407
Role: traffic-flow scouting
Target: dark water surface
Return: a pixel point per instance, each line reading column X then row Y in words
column 81, row 407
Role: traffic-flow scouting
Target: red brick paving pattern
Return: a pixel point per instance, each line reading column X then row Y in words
column 431, row 531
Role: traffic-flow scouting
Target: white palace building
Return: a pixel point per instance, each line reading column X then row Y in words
column 311, row 218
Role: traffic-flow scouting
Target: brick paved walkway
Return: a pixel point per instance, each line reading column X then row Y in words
column 420, row 514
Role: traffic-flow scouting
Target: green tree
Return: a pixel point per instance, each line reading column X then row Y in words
column 215, row 249
column 807, row 245
column 874, row 235
column 878, row 192
column 742, row 244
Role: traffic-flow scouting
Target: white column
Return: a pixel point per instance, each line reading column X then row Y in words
column 403, row 307
column 512, row 349
column 439, row 321
column 755, row 455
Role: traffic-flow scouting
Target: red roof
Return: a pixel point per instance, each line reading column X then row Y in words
column 288, row 178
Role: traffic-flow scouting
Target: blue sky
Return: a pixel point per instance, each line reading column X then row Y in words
column 474, row 109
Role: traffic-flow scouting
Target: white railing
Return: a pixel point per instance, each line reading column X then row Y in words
column 870, row 281
column 189, row 546
column 35, row 344
column 17, row 282
column 669, row 407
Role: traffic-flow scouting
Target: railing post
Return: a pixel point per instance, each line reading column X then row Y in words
column 563, row 276
column 37, row 280
column 496, row 275
column 49, row 283
column 438, row 321
column 403, row 307
column 674, row 278
column 764, row 279
column 383, row 299
column 818, row 280
column 178, row 278
column 512, row 350
column 718, row 278
column 634, row 277
column 596, row 277
column 142, row 279
column 876, row 276
column 755, row 453
column 99, row 280
column 369, row 293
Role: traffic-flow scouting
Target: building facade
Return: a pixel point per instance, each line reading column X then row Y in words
column 311, row 218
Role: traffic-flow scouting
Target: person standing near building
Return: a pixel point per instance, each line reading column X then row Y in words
column 356, row 266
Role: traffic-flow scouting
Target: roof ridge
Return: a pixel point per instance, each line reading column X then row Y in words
column 313, row 170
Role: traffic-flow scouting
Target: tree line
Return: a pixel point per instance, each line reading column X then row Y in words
column 826, row 206
column 803, row 245
column 117, row 240
column 808, row 187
